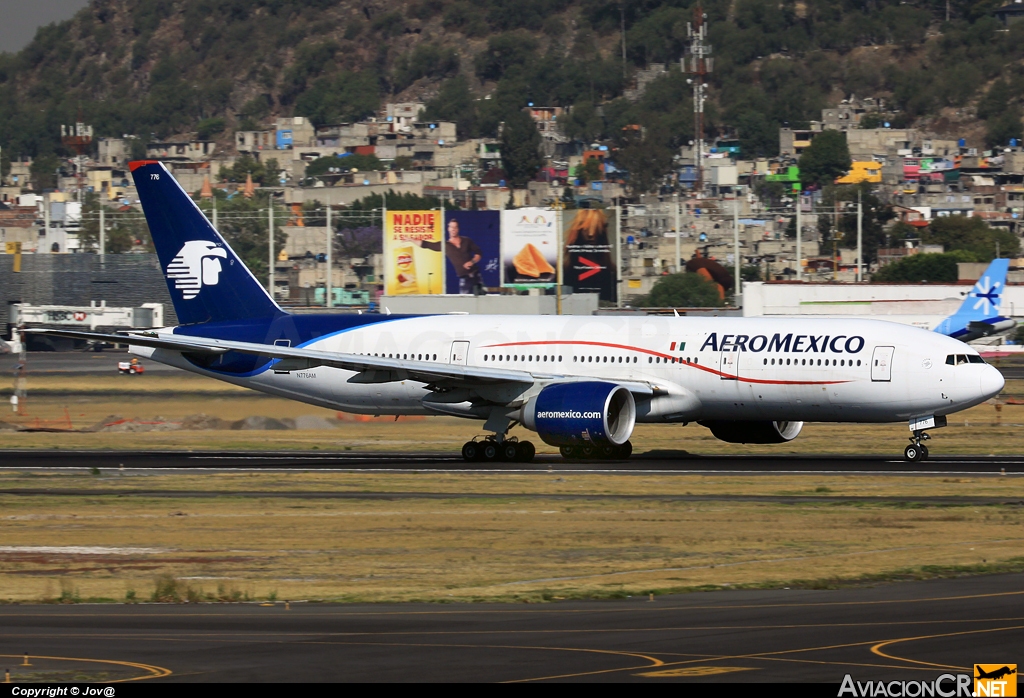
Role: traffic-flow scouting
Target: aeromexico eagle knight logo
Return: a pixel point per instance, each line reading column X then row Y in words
column 195, row 266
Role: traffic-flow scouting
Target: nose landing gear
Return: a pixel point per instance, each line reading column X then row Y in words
column 917, row 451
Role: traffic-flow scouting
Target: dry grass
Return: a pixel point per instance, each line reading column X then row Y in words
column 524, row 543
column 174, row 383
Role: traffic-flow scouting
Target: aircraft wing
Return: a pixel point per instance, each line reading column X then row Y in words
column 368, row 369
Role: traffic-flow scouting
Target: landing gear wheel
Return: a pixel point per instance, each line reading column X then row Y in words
column 913, row 453
column 508, row 451
column 609, row 451
column 489, row 451
column 568, row 452
column 471, row 451
column 525, row 452
column 586, row 451
column 924, row 452
column 625, row 450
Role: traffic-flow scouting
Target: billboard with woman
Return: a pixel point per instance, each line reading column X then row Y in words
column 588, row 259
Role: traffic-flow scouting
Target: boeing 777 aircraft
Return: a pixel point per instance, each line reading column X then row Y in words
column 580, row 383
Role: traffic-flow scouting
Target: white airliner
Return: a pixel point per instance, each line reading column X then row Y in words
column 581, row 383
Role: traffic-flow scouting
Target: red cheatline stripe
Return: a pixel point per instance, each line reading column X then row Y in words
column 136, row 164
column 664, row 356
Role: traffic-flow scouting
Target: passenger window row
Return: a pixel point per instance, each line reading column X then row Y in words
column 408, row 357
column 522, row 357
column 957, row 359
column 602, row 359
column 804, row 362
column 673, row 360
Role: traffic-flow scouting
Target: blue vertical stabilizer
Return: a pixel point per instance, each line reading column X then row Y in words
column 979, row 314
column 206, row 279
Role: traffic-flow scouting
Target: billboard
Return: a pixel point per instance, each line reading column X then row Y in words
column 529, row 247
column 589, row 256
column 413, row 263
column 479, row 241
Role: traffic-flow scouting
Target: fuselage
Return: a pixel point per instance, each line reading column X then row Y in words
column 796, row 369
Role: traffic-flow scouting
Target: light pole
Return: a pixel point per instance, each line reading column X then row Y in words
column 860, row 236
column 329, row 300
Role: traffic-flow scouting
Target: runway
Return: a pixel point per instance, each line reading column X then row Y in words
column 913, row 631
column 77, row 363
column 652, row 462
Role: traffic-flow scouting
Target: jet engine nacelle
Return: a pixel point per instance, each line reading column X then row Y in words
column 754, row 432
column 572, row 414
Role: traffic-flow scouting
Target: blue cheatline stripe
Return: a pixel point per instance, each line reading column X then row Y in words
column 306, row 332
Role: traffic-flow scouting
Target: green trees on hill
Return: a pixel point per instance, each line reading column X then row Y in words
column 965, row 239
column 520, row 148
column 971, row 235
column 685, row 290
column 923, row 268
column 825, row 159
column 126, row 68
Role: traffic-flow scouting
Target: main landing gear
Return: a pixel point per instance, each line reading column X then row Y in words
column 606, row 451
column 488, row 450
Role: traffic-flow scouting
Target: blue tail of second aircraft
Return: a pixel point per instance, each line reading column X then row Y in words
column 979, row 314
column 206, row 279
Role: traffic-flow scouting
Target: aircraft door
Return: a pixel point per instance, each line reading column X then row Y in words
column 460, row 353
column 728, row 365
column 881, row 364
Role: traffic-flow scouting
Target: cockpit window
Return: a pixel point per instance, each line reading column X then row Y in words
column 960, row 359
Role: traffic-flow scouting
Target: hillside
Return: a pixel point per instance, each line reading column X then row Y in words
column 159, row 67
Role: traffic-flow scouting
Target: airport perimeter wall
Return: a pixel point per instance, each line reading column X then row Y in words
column 760, row 298
column 78, row 279
column 572, row 304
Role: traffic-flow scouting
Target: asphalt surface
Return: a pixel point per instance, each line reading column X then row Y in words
column 77, row 363
column 910, row 631
column 653, row 462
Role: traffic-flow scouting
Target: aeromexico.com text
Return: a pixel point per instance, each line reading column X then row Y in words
column 568, row 414
column 800, row 343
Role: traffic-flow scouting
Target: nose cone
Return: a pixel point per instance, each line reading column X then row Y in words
column 991, row 381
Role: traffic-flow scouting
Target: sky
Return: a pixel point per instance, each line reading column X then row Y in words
column 21, row 19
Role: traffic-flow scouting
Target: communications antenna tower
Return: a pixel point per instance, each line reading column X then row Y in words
column 698, row 63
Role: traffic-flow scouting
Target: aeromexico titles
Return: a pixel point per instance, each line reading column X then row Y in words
column 580, row 382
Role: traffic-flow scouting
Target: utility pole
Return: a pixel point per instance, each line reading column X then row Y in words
column 618, row 255
column 736, row 250
column 558, row 206
column 270, row 245
column 46, row 218
column 103, row 230
column 699, row 65
column 328, row 287
column 679, row 234
column 215, row 214
column 799, row 238
column 860, row 234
